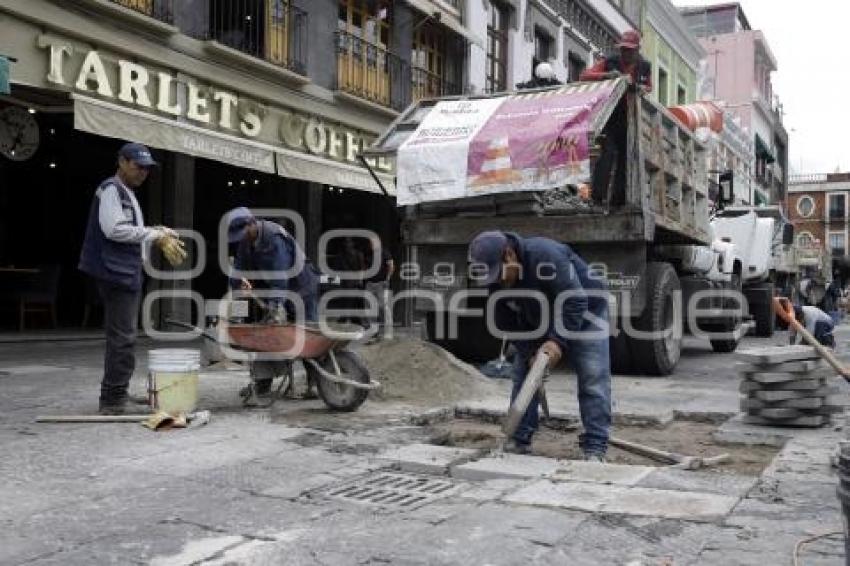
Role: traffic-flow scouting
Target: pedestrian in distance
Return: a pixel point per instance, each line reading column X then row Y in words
column 504, row 260
column 112, row 255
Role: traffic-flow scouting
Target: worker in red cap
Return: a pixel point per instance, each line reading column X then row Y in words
column 628, row 62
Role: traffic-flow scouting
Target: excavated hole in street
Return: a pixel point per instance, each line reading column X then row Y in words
column 560, row 440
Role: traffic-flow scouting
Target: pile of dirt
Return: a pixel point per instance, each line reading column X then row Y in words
column 421, row 373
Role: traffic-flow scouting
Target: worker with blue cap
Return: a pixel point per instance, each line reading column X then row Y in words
column 548, row 269
column 112, row 257
column 262, row 245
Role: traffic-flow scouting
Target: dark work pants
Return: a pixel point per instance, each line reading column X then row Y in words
column 120, row 320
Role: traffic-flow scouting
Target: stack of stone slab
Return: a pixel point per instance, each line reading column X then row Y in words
column 786, row 386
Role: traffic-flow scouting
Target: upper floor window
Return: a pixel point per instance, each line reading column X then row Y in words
column 836, row 243
column 805, row 206
column 544, row 48
column 575, row 65
column 837, row 207
column 805, row 240
column 497, row 48
column 428, row 59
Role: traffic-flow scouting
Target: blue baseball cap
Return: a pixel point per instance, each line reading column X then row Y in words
column 488, row 248
column 137, row 153
column 237, row 221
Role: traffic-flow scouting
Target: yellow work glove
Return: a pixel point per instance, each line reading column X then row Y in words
column 172, row 247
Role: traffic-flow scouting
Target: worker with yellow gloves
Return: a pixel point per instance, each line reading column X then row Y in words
column 112, row 256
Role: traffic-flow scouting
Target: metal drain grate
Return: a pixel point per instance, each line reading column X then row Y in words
column 393, row 490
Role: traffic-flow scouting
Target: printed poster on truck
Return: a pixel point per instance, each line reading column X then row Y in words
column 431, row 165
column 527, row 142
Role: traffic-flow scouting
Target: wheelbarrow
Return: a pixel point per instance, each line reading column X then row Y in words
column 341, row 378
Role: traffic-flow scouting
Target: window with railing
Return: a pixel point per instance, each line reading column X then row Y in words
column 497, row 48
column 836, row 244
column 366, row 67
column 162, row 10
column 429, row 72
column 273, row 30
column 837, row 207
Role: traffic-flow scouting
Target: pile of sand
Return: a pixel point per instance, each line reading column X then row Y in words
column 417, row 372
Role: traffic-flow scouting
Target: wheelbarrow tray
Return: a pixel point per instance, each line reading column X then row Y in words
column 291, row 340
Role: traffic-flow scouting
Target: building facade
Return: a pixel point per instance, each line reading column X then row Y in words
column 819, row 207
column 258, row 103
column 739, row 64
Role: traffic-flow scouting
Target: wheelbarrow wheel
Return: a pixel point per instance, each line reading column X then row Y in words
column 338, row 396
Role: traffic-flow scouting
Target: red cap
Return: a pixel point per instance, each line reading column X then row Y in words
column 630, row 40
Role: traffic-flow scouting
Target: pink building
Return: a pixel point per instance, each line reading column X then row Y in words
column 738, row 69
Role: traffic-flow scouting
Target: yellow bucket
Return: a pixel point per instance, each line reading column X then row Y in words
column 173, row 380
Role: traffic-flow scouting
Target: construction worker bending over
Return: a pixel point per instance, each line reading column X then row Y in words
column 549, row 267
column 816, row 322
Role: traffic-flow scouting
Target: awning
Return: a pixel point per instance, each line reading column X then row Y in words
column 111, row 120
column 763, row 150
column 315, row 169
column 447, row 20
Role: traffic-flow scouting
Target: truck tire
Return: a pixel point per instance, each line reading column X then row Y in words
column 726, row 345
column 762, row 311
column 621, row 355
column 658, row 356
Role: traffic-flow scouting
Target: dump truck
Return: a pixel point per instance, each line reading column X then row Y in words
column 763, row 239
column 595, row 165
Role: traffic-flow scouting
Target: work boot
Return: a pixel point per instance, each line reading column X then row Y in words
column 512, row 446
column 597, row 457
column 111, row 409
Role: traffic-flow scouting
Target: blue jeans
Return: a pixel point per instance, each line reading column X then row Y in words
column 590, row 360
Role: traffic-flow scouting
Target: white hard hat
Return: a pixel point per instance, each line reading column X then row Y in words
column 544, row 71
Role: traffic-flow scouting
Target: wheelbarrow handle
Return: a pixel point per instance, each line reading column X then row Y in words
column 785, row 310
column 187, row 326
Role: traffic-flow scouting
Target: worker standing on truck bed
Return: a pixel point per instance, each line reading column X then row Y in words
column 541, row 265
column 628, row 62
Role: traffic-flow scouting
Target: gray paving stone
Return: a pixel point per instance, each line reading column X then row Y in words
column 808, row 421
column 784, row 378
column 594, row 472
column 804, row 403
column 427, row 458
column 639, row 501
column 776, row 354
column 492, row 490
column 737, row 431
column 795, row 367
column 704, row 482
column 505, row 465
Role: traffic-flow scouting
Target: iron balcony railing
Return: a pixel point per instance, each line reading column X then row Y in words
column 273, row 30
column 162, row 10
column 371, row 72
column 431, row 85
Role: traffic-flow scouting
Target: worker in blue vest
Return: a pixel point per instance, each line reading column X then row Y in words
column 112, row 256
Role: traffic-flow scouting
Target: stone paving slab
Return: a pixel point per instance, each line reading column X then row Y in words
column 595, row 472
column 428, row 458
column 776, row 354
column 794, row 367
column 505, row 465
column 593, row 498
column 705, row 482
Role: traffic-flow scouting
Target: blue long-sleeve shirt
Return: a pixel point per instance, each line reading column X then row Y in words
column 550, row 268
column 275, row 250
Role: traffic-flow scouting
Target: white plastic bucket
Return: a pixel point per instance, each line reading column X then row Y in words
column 173, row 379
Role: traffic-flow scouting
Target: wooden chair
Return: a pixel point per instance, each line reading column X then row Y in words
column 37, row 293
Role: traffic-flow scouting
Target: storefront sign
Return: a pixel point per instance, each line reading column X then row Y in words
column 186, row 101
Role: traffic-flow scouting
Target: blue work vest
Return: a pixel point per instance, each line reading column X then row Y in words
column 116, row 262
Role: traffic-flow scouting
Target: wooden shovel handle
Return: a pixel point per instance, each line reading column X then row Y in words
column 785, row 310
